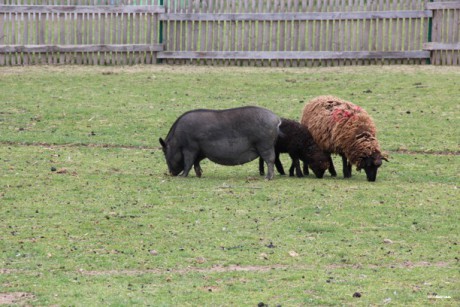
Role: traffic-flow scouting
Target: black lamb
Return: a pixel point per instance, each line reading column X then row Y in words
column 297, row 141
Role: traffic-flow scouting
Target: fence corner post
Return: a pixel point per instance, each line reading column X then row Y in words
column 160, row 37
column 429, row 38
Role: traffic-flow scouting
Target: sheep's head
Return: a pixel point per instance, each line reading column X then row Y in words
column 371, row 164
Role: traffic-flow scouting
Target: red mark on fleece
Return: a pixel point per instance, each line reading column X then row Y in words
column 339, row 115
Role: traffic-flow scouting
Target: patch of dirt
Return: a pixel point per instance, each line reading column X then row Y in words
column 41, row 144
column 426, row 152
column 210, row 289
column 71, row 145
column 15, row 298
column 214, row 269
column 250, row 268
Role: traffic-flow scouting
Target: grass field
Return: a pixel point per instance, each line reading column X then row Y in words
column 89, row 216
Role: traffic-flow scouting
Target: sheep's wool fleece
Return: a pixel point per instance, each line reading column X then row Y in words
column 341, row 127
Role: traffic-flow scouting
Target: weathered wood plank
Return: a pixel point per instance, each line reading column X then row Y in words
column 326, row 16
column 443, row 5
column 82, row 9
column 81, row 48
column 285, row 55
column 441, row 46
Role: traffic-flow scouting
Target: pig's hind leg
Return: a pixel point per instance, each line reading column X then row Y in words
column 269, row 157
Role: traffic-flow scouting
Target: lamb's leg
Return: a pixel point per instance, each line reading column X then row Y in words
column 261, row 166
column 331, row 167
column 279, row 166
column 295, row 165
column 346, row 167
column 198, row 170
column 306, row 172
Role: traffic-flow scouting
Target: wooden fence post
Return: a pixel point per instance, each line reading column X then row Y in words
column 160, row 30
column 429, row 39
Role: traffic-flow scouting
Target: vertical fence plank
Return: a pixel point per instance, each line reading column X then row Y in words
column 183, row 29
column 337, row 37
column 113, row 37
column 274, row 32
column 245, row 30
column 253, row 30
column 378, row 33
column 258, row 31
column 2, row 37
column 301, row 31
column 316, row 38
column 61, row 40
column 55, row 41
column 448, row 39
column 330, row 32
column 25, row 38
column 79, row 36
column 189, row 24
column 437, row 35
column 102, row 56
column 5, row 37
column 196, row 27
column 455, row 36
column 281, row 40
column 148, row 36
column 220, row 38
column 13, row 37
column 265, row 43
column 210, row 29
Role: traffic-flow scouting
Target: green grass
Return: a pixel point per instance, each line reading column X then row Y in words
column 84, row 234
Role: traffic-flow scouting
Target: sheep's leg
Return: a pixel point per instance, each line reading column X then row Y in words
column 295, row 165
column 346, row 167
column 331, row 167
column 261, row 167
column 279, row 166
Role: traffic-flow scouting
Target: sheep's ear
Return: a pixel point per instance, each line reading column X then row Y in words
column 162, row 142
column 363, row 135
column 385, row 157
column 361, row 163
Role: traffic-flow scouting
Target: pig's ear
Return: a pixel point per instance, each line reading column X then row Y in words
column 162, row 142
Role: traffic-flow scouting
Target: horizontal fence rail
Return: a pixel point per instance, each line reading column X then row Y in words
column 229, row 32
column 327, row 16
column 300, row 55
column 80, row 9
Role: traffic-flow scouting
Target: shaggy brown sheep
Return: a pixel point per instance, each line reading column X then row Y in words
column 346, row 129
column 297, row 141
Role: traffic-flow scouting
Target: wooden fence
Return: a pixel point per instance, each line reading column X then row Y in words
column 79, row 32
column 444, row 38
column 229, row 32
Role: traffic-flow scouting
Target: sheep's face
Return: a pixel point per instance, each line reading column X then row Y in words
column 371, row 165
